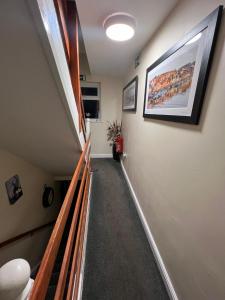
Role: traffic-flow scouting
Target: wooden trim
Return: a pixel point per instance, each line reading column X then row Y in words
column 41, row 282
column 73, row 25
column 69, row 27
column 60, row 11
column 81, row 242
column 25, row 234
column 75, row 255
column 67, row 254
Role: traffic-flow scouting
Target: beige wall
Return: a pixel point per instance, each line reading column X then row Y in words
column 28, row 212
column 110, row 110
column 110, row 107
column 178, row 170
column 84, row 65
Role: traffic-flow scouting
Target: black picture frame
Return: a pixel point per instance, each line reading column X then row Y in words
column 209, row 26
column 134, row 106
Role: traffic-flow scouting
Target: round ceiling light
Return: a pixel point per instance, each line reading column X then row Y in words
column 120, row 27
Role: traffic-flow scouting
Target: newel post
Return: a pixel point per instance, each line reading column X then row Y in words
column 15, row 281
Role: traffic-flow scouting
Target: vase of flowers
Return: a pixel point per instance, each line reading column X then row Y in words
column 113, row 132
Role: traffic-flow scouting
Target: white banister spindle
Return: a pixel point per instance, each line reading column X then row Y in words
column 15, row 281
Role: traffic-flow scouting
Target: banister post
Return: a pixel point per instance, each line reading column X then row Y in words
column 15, row 281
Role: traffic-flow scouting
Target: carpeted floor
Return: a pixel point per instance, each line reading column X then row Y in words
column 119, row 262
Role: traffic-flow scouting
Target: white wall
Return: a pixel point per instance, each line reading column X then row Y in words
column 178, row 170
column 28, row 212
column 110, row 110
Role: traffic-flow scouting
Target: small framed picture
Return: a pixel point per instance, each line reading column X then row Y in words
column 14, row 189
column 176, row 83
column 130, row 95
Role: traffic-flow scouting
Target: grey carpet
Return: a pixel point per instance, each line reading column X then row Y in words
column 119, row 262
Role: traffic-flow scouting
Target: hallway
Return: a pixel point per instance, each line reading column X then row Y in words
column 119, row 262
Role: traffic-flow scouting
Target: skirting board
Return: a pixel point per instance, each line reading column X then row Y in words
column 101, row 156
column 85, row 244
column 155, row 250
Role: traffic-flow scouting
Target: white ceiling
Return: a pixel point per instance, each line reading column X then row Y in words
column 34, row 123
column 113, row 58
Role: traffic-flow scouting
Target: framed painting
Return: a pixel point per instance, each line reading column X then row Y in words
column 130, row 95
column 176, row 82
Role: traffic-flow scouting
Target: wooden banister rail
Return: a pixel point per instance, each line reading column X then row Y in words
column 66, row 259
column 42, row 280
column 75, row 60
column 25, row 234
column 80, row 245
column 61, row 15
column 69, row 27
column 77, row 243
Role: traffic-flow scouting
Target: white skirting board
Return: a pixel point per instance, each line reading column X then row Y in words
column 155, row 250
column 101, row 155
column 84, row 245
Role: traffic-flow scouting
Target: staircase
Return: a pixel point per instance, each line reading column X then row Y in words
column 50, row 122
column 59, row 274
column 58, row 263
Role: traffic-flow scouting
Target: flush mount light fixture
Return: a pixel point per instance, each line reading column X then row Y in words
column 120, row 26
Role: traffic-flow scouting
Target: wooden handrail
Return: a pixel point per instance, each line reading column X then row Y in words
column 74, row 59
column 69, row 26
column 81, row 241
column 25, row 234
column 77, row 245
column 41, row 282
column 66, row 259
column 60, row 11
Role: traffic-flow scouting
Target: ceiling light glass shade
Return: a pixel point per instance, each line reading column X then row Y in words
column 120, row 32
column 120, row 27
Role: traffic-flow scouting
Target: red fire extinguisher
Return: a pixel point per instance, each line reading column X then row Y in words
column 119, row 144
